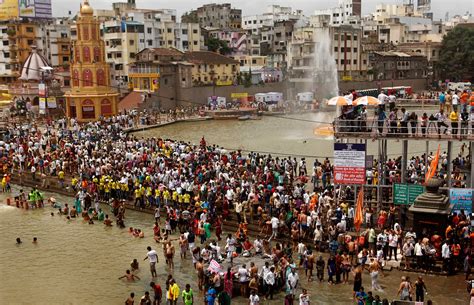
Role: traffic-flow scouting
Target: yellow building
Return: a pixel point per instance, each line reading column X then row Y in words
column 21, row 36
column 211, row 68
column 91, row 95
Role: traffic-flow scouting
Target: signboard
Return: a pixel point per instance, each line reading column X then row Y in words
column 52, row 102
column 406, row 193
column 35, row 8
column 349, row 163
column 8, row 9
column 239, row 95
column 42, row 90
column 42, row 105
column 462, row 199
column 224, row 83
column 347, row 78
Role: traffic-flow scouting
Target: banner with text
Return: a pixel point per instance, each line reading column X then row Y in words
column 462, row 199
column 349, row 163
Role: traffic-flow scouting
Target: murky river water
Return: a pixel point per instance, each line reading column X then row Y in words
column 77, row 263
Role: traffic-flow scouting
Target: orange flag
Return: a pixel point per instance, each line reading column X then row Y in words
column 433, row 166
column 358, row 217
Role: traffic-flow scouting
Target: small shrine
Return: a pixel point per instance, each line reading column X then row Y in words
column 431, row 209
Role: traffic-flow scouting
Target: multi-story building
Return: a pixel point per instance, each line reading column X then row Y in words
column 123, row 40
column 236, row 39
column 215, row 16
column 346, row 12
column 344, row 44
column 161, row 70
column 398, row 65
column 211, row 68
column 6, row 64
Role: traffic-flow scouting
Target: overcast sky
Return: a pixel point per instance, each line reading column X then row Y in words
column 249, row 7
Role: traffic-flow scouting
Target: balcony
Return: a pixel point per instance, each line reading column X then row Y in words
column 144, row 70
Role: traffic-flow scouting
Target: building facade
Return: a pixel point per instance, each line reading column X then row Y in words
column 398, row 65
column 211, row 68
column 215, row 16
column 91, row 95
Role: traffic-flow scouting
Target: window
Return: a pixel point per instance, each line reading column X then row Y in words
column 88, row 109
column 355, row 37
column 132, row 55
column 195, row 42
column 30, row 42
column 355, row 50
column 29, row 29
column 365, row 61
column 85, row 32
column 433, row 53
column 195, row 31
column 149, row 42
column 169, row 30
column 254, row 61
column 185, row 32
column 7, row 67
column 131, row 42
column 149, row 30
column 335, row 49
column 101, row 77
column 5, row 42
column 336, row 37
column 86, row 56
column 87, row 78
column 119, row 55
column 96, row 54
column 355, row 61
column 106, row 107
column 65, row 59
column 109, row 55
column 6, row 55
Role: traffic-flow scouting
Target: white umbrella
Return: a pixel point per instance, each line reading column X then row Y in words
column 339, row 101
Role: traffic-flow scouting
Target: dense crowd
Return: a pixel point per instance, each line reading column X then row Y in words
column 200, row 185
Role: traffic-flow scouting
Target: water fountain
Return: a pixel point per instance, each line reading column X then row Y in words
column 324, row 69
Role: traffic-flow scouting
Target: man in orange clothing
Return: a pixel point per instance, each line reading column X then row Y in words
column 464, row 100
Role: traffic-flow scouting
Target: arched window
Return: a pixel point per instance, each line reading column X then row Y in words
column 77, row 54
column 96, row 54
column 101, row 77
column 75, row 78
column 85, row 32
column 93, row 32
column 106, row 107
column 86, row 54
column 88, row 109
column 87, row 78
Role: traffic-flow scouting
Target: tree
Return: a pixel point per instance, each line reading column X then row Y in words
column 456, row 57
column 217, row 45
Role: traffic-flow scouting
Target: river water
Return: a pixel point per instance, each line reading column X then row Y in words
column 77, row 263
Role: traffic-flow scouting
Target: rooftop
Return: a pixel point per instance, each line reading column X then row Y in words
column 207, row 57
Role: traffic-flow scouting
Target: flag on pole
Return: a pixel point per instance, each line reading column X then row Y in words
column 358, row 217
column 433, row 166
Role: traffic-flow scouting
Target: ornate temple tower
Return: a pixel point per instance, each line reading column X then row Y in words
column 91, row 95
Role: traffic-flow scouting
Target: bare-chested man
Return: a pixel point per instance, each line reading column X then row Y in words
column 374, row 269
column 170, row 255
column 311, row 259
column 129, row 276
column 200, row 273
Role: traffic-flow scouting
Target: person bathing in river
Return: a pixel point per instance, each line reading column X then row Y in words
column 129, row 276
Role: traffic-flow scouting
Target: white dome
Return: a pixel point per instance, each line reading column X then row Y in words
column 34, row 67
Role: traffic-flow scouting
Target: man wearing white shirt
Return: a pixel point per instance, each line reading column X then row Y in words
column 446, row 255
column 292, row 283
column 275, row 222
column 269, row 282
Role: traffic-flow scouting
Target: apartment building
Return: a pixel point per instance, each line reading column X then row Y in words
column 215, row 16
column 346, row 12
column 211, row 68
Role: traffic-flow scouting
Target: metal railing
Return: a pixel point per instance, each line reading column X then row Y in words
column 144, row 70
column 374, row 128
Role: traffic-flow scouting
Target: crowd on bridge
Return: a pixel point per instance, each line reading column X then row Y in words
column 455, row 117
column 197, row 186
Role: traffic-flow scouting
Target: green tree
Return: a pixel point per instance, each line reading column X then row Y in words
column 456, row 57
column 217, row 45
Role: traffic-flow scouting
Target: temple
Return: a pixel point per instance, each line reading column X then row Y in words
column 91, row 96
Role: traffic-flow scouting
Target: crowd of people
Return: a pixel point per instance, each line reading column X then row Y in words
column 199, row 186
column 454, row 117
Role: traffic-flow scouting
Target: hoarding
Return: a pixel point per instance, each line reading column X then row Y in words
column 35, row 8
column 462, row 199
column 8, row 9
column 349, row 163
column 405, row 194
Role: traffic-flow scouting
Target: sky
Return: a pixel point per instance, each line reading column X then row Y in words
column 250, row 7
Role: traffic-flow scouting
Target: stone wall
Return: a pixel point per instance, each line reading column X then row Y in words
column 199, row 95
